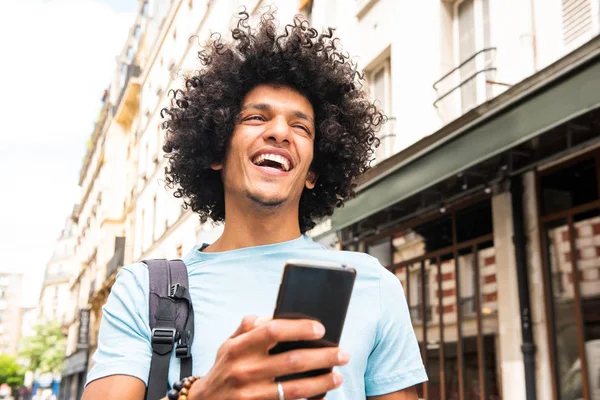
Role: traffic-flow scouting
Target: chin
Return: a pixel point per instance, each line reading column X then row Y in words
column 265, row 200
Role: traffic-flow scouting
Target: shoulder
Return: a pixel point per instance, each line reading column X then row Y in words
column 133, row 276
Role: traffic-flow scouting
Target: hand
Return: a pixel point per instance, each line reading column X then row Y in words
column 244, row 369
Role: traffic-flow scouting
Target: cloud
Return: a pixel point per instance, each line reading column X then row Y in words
column 58, row 57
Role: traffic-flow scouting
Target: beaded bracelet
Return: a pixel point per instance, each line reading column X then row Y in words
column 181, row 388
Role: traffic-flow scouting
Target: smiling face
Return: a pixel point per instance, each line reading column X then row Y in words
column 271, row 149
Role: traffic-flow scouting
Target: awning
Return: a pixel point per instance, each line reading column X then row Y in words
column 562, row 91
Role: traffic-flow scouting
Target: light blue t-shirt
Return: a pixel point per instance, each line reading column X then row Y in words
column 227, row 286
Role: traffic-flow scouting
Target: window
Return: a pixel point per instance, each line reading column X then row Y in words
column 467, row 58
column 382, row 250
column 145, row 9
column 446, row 264
column 380, row 84
column 577, row 22
column 472, row 33
column 570, row 218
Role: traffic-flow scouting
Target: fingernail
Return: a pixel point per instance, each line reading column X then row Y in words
column 343, row 356
column 319, row 329
column 337, row 378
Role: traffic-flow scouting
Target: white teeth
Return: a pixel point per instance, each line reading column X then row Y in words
column 284, row 162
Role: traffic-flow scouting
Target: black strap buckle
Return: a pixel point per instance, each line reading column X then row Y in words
column 182, row 351
column 164, row 335
column 163, row 340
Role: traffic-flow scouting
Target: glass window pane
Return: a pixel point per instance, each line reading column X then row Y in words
column 379, row 88
column 587, row 242
column 382, row 250
column 567, row 357
column 474, row 222
column 569, row 187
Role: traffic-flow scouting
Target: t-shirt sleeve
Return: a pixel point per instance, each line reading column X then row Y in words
column 395, row 362
column 124, row 337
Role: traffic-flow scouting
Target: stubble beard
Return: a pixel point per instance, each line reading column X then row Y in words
column 265, row 204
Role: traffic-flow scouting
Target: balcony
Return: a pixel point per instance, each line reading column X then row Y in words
column 468, row 85
column 128, row 103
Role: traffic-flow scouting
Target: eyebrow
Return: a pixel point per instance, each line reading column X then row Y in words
column 267, row 107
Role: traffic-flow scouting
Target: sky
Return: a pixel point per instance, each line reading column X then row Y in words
column 57, row 58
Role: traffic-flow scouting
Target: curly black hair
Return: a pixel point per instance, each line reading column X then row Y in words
column 200, row 119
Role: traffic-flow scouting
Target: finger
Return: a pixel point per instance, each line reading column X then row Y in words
column 309, row 387
column 248, row 323
column 303, row 360
column 283, row 330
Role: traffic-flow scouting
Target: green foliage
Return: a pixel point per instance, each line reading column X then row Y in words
column 46, row 349
column 11, row 373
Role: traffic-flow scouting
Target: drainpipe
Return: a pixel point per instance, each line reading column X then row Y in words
column 528, row 347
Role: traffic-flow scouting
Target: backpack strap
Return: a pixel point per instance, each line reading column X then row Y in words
column 171, row 322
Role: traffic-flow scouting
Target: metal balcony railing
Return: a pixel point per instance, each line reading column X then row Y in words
column 486, row 66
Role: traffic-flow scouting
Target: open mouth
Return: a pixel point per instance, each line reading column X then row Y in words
column 272, row 161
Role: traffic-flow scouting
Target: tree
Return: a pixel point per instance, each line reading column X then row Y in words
column 45, row 351
column 11, row 373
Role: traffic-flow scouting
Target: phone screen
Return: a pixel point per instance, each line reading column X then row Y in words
column 316, row 293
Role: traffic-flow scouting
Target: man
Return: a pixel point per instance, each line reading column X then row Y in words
column 269, row 137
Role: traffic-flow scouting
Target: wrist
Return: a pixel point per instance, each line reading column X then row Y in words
column 197, row 390
column 182, row 389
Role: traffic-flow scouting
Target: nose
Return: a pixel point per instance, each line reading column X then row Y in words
column 277, row 131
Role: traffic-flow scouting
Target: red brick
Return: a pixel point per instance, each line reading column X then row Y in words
column 445, row 293
column 491, row 260
column 565, row 236
column 490, row 297
column 598, row 251
column 596, row 228
column 489, row 278
column 570, row 276
column 447, row 276
column 447, row 309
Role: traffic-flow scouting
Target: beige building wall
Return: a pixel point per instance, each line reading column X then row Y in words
column 63, row 265
column 10, row 312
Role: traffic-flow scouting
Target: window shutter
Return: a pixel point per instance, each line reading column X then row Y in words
column 577, row 21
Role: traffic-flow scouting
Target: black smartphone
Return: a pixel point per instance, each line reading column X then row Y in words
column 314, row 290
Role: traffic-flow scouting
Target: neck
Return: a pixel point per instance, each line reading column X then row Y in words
column 248, row 226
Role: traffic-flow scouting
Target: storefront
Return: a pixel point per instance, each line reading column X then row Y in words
column 570, row 220
column 76, row 364
column 492, row 225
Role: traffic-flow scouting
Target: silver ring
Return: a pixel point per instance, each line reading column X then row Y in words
column 280, row 391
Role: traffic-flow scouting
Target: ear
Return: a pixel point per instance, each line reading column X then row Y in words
column 311, row 179
column 216, row 166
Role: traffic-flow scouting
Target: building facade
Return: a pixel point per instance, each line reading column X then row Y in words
column 10, row 312
column 483, row 198
column 55, row 294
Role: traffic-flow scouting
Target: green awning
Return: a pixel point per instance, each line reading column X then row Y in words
column 558, row 99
